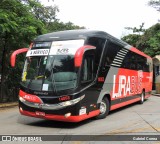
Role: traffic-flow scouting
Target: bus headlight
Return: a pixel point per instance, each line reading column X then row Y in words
column 72, row 102
column 21, row 99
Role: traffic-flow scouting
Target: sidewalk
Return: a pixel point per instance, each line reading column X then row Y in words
column 154, row 93
column 9, row 104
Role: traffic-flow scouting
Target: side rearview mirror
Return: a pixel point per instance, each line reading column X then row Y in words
column 79, row 54
column 15, row 53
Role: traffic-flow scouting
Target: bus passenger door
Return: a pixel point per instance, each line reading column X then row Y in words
column 88, row 83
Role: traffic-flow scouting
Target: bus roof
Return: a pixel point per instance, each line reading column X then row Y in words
column 84, row 34
column 77, row 34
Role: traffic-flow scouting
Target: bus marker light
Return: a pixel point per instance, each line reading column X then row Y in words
column 67, row 115
column 21, row 109
column 63, row 98
column 21, row 99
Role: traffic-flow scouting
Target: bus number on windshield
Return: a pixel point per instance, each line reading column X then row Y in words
column 63, row 51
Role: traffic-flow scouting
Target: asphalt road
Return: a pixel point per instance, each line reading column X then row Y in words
column 135, row 119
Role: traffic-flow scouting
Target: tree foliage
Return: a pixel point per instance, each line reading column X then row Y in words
column 59, row 26
column 155, row 4
column 147, row 42
column 18, row 26
column 136, row 30
column 41, row 12
column 150, row 41
column 132, row 39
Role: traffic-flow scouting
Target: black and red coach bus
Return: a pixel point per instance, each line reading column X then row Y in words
column 77, row 74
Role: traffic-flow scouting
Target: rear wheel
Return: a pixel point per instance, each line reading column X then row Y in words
column 142, row 98
column 104, row 108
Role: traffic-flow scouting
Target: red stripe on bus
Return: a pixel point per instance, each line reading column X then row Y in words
column 139, row 52
column 62, row 117
column 124, row 103
column 30, row 97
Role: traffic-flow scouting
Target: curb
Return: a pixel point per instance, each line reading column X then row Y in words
column 156, row 95
column 9, row 104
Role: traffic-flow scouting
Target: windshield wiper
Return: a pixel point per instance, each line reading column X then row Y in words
column 52, row 76
column 29, row 84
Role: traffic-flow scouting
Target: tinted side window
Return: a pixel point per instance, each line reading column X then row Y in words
column 99, row 44
column 113, row 55
column 134, row 61
column 88, row 68
column 129, row 61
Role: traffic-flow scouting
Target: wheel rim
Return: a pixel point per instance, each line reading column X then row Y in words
column 103, row 108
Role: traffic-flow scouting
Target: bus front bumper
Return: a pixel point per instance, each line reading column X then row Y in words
column 71, row 118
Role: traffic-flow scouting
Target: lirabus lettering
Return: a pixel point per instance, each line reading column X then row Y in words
column 126, row 85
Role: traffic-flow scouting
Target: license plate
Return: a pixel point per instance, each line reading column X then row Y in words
column 40, row 113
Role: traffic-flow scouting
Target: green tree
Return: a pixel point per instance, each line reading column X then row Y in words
column 150, row 41
column 44, row 13
column 59, row 26
column 132, row 39
column 18, row 26
column 155, row 4
column 147, row 42
column 136, row 30
column 20, row 22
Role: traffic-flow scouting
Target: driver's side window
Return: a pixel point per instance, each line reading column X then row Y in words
column 87, row 69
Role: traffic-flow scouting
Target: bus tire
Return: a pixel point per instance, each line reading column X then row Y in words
column 104, row 108
column 142, row 98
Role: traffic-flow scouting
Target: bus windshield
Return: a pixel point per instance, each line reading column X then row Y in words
column 49, row 73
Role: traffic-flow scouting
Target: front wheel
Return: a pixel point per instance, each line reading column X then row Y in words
column 142, row 98
column 104, row 108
